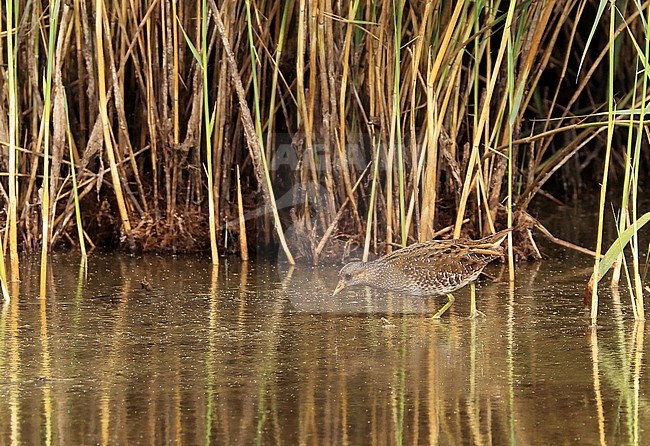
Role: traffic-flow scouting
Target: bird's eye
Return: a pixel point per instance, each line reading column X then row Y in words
column 347, row 276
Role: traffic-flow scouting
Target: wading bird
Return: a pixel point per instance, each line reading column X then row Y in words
column 428, row 269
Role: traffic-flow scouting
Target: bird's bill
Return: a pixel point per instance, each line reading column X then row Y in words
column 339, row 287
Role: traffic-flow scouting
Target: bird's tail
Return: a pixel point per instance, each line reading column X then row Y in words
column 495, row 239
column 491, row 245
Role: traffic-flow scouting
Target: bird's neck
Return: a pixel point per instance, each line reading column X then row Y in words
column 374, row 273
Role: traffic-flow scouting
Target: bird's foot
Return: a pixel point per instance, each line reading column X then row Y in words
column 439, row 313
column 445, row 307
column 475, row 314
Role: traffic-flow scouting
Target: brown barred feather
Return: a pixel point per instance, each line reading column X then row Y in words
column 430, row 268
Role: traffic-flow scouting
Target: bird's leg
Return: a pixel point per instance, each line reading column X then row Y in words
column 445, row 307
column 473, row 312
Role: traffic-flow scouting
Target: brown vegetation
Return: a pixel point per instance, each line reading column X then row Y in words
column 380, row 122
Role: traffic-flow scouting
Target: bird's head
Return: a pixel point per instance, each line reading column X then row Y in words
column 354, row 273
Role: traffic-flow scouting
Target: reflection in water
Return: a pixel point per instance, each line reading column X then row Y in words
column 597, row 390
column 262, row 353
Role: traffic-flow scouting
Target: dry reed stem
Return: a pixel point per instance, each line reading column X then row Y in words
column 327, row 73
column 481, row 125
column 249, row 131
column 12, row 221
column 243, row 244
column 103, row 108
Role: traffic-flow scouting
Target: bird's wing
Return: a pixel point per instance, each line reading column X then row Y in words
column 441, row 264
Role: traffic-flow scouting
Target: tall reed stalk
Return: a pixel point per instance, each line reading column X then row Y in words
column 641, row 133
column 45, row 123
column 624, row 217
column 12, row 22
column 396, row 124
column 209, row 123
column 373, row 198
column 608, row 150
column 75, row 190
column 512, row 108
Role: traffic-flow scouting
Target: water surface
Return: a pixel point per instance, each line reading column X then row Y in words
column 262, row 353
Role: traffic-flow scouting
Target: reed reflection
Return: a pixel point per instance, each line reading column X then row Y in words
column 260, row 352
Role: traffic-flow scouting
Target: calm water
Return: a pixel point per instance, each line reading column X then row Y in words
column 261, row 353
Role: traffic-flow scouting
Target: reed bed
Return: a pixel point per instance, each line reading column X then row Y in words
column 372, row 123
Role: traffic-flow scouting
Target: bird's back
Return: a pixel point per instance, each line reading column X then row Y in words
column 437, row 266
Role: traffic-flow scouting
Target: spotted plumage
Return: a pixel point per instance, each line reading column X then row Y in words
column 426, row 269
